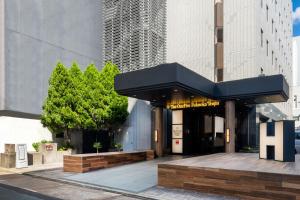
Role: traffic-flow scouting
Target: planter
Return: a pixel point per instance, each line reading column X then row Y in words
column 35, row 158
column 8, row 160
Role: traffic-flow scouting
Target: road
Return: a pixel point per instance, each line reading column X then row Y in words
column 12, row 193
column 23, row 187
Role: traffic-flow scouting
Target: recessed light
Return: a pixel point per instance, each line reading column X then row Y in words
column 175, row 90
column 134, row 95
column 163, row 96
column 192, row 96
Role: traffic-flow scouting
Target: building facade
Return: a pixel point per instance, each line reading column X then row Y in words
column 34, row 36
column 296, row 82
column 232, row 40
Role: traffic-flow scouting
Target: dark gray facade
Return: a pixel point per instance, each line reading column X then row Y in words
column 38, row 34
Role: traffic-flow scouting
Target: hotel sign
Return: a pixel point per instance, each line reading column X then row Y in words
column 192, row 103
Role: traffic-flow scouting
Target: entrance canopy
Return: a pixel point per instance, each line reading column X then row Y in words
column 168, row 82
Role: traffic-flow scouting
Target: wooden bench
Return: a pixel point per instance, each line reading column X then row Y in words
column 81, row 163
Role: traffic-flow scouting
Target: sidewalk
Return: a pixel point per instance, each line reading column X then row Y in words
column 138, row 180
column 30, row 168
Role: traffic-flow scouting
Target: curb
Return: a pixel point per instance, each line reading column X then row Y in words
column 95, row 187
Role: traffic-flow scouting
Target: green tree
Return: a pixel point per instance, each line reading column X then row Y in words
column 58, row 109
column 95, row 99
column 78, row 91
column 116, row 103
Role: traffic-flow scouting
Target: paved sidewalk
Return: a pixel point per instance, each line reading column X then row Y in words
column 31, row 168
column 138, row 180
column 132, row 178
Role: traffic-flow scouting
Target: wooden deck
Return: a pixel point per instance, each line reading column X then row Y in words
column 87, row 162
column 242, row 175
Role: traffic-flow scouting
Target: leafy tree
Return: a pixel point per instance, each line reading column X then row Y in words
column 117, row 104
column 58, row 113
column 86, row 100
column 95, row 99
column 78, row 92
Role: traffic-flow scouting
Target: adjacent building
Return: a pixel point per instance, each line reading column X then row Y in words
column 296, row 82
column 34, row 36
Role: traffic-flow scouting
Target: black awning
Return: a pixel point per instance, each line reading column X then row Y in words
column 173, row 81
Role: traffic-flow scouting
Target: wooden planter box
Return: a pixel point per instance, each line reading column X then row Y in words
column 87, row 162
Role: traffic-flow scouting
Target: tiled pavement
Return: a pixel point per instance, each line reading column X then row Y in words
column 138, row 179
column 171, row 194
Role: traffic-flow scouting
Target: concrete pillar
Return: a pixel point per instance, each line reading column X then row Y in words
column 159, row 131
column 230, row 125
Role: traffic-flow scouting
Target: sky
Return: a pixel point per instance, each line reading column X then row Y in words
column 296, row 17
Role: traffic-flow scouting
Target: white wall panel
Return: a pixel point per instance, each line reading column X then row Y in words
column 22, row 131
column 190, row 35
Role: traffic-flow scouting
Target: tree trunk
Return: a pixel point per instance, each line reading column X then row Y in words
column 67, row 138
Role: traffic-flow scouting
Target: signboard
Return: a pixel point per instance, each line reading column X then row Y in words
column 176, row 131
column 177, row 145
column 49, row 147
column 21, row 156
column 192, row 103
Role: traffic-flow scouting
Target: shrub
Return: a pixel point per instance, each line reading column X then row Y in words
column 36, row 146
column 118, row 146
column 97, row 145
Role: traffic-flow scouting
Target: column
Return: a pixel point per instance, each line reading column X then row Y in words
column 230, row 127
column 158, row 131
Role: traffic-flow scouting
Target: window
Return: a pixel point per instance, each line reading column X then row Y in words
column 272, row 57
column 261, row 38
column 275, row 62
column 272, row 25
column 261, row 3
column 220, row 35
column 279, row 44
column 267, row 12
column 267, row 48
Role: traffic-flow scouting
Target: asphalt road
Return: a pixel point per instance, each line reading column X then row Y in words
column 22, row 187
column 13, row 193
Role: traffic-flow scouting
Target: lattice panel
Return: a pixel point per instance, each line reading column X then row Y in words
column 135, row 33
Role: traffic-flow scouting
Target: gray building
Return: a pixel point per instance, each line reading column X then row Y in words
column 34, row 36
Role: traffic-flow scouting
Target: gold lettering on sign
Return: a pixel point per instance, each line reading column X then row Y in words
column 192, row 103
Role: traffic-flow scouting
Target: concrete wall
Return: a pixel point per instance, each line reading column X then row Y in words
column 22, row 131
column 38, row 33
column 135, row 134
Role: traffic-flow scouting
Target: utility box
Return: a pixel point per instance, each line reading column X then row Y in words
column 277, row 141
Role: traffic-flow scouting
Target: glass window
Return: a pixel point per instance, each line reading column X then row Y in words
column 261, row 38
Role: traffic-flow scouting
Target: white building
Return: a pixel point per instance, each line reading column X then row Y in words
column 225, row 40
column 237, row 39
